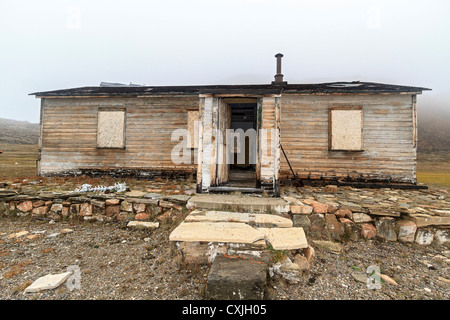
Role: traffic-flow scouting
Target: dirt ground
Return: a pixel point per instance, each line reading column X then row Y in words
column 120, row 263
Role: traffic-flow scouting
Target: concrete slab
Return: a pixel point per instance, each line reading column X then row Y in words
column 285, row 238
column 238, row 203
column 225, row 216
column 48, row 282
column 234, row 232
column 236, row 279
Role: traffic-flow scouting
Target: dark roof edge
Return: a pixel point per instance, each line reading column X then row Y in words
column 330, row 87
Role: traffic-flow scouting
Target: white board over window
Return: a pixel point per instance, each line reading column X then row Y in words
column 111, row 129
column 346, row 129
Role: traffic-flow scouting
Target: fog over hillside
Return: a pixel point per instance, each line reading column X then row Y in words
column 434, row 128
column 18, row 132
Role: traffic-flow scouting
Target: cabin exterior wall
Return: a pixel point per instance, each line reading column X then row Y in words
column 389, row 138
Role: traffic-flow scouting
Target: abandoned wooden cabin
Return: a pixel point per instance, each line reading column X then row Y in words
column 340, row 131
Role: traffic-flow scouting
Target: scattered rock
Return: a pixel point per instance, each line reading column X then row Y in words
column 40, row 211
column 309, row 253
column 343, row 213
column 112, row 202
column 48, row 282
column 319, row 207
column 142, row 216
column 424, row 237
column 135, row 194
column 317, row 224
column 406, row 230
column 25, row 206
column 53, row 235
column 333, row 247
column 360, row 277
column 368, row 231
column 359, row 217
column 388, row 279
column 386, row 228
column 285, row 238
column 112, row 210
column 139, row 207
column 333, row 226
column 302, row 262
column 56, row 207
column 236, row 279
column 301, row 209
column 150, row 225
column 301, row 221
column 18, row 234
column 86, row 209
column 126, row 206
column 331, row 189
column 442, row 237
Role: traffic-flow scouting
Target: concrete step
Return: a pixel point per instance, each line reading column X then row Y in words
column 203, row 236
column 235, row 188
column 254, row 219
column 239, row 203
column 216, row 232
column 235, row 278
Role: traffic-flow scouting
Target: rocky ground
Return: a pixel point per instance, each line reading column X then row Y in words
column 419, row 272
column 117, row 262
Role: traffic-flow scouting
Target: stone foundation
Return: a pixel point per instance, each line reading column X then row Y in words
column 132, row 205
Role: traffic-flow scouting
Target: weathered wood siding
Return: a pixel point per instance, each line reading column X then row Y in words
column 388, row 138
column 69, row 133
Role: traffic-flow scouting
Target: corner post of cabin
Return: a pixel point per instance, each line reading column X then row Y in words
column 258, row 141
column 277, row 146
column 41, row 134
column 200, row 143
column 207, row 148
column 414, row 134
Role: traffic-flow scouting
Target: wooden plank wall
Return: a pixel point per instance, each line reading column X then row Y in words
column 388, row 142
column 69, row 133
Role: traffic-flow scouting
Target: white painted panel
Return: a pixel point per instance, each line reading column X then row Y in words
column 346, row 129
column 111, row 129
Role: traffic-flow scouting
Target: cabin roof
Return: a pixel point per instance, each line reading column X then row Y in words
column 258, row 89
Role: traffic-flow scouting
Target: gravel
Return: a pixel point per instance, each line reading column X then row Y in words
column 121, row 263
column 420, row 272
column 116, row 262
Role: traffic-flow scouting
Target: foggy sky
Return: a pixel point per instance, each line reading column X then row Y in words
column 48, row 45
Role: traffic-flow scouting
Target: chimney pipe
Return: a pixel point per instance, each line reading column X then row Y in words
column 279, row 75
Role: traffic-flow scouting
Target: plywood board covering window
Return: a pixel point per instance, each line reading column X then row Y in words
column 193, row 116
column 111, row 129
column 346, row 128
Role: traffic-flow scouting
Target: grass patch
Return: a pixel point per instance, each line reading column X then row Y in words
column 434, row 178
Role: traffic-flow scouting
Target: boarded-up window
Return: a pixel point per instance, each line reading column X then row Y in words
column 193, row 128
column 346, row 129
column 111, row 129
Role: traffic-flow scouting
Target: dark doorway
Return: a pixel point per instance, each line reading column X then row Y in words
column 243, row 170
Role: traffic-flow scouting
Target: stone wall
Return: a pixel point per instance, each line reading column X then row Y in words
column 134, row 205
column 345, row 220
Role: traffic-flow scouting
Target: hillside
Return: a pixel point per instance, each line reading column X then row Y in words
column 433, row 130
column 18, row 132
